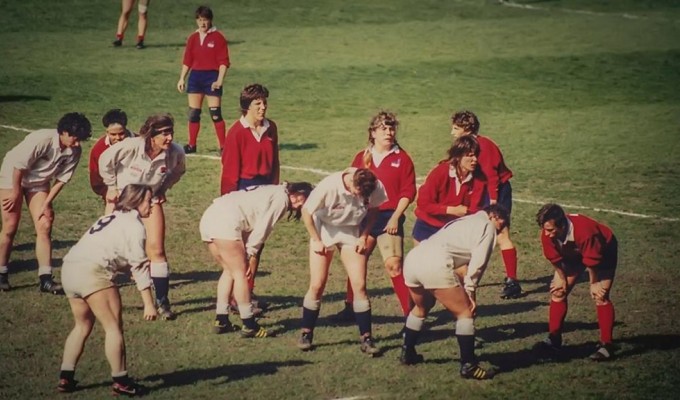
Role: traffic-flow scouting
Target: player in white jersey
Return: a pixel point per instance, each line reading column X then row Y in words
column 151, row 159
column 235, row 227
column 332, row 215
column 447, row 267
column 114, row 244
column 28, row 172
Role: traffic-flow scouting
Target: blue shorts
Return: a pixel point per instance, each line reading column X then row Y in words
column 504, row 197
column 245, row 183
column 422, row 230
column 381, row 222
column 200, row 81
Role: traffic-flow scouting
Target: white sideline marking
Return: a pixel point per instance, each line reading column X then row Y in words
column 568, row 10
column 538, row 202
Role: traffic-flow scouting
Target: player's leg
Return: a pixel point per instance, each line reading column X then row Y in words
column 75, row 342
column 194, row 127
column 159, row 268
column 10, row 225
column 422, row 301
column 224, row 292
column 126, row 9
column 355, row 265
column 42, row 220
column 215, row 109
column 559, row 305
column 319, row 265
column 142, row 22
column 346, row 315
column 604, row 306
column 392, row 251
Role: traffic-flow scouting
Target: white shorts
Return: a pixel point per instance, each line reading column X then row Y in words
column 332, row 235
column 6, row 181
column 430, row 267
column 81, row 280
column 218, row 223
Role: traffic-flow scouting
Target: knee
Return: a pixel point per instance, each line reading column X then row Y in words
column 215, row 113
column 393, row 266
column 558, row 296
column 9, row 230
column 419, row 311
column 155, row 250
column 194, row 114
column 316, row 290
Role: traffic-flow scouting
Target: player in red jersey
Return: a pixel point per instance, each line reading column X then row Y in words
column 453, row 189
column 394, row 168
column 499, row 191
column 207, row 57
column 251, row 157
column 573, row 243
column 115, row 122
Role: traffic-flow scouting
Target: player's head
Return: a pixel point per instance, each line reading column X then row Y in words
column 464, row 123
column 364, row 183
column 253, row 100
column 135, row 197
column 384, row 121
column 464, row 152
column 115, row 122
column 204, row 18
column 298, row 192
column 75, row 125
column 158, row 130
column 499, row 215
column 552, row 220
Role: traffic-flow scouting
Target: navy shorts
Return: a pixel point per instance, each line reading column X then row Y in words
column 504, row 197
column 422, row 230
column 381, row 222
column 245, row 183
column 200, row 81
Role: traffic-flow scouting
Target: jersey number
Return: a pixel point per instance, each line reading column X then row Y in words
column 101, row 224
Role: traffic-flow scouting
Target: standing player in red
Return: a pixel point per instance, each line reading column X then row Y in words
column 207, row 57
column 115, row 123
column 453, row 189
column 394, row 168
column 499, row 191
column 251, row 156
column 573, row 243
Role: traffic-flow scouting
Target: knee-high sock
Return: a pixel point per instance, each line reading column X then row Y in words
column 605, row 319
column 402, row 292
column 310, row 313
column 194, row 128
column 465, row 333
column 362, row 313
column 558, row 311
column 160, row 275
column 220, row 132
column 510, row 262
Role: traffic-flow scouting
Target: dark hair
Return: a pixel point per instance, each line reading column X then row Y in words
column 551, row 211
column 303, row 188
column 76, row 124
column 131, row 197
column 461, row 147
column 500, row 212
column 251, row 93
column 115, row 116
column 154, row 123
column 204, row 12
column 365, row 180
column 466, row 120
column 385, row 117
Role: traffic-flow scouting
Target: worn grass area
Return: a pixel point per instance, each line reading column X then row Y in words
column 583, row 100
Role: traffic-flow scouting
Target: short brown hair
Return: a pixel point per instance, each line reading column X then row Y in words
column 365, row 180
column 131, row 197
column 551, row 211
column 154, row 123
column 466, row 120
column 461, row 147
column 251, row 93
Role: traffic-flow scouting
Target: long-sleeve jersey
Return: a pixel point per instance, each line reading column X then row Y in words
column 41, row 158
column 492, row 165
column 208, row 55
column 396, row 172
column 467, row 240
column 332, row 204
column 247, row 155
column 126, row 162
column 115, row 242
column 585, row 243
column 257, row 210
column 442, row 189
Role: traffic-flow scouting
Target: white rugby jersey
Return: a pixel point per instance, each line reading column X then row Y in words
column 126, row 162
column 332, row 204
column 41, row 158
column 258, row 208
column 468, row 240
column 115, row 242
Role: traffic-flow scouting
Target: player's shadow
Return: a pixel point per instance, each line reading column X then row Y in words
column 222, row 374
column 211, row 275
column 31, row 265
column 298, row 146
column 12, row 98
column 644, row 343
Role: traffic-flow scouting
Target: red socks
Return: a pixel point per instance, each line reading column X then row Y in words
column 221, row 132
column 605, row 319
column 402, row 293
column 510, row 261
column 194, row 127
column 557, row 313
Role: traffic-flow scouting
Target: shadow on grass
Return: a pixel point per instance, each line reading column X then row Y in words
column 296, row 146
column 30, row 265
column 224, row 373
column 645, row 343
column 22, row 97
column 56, row 244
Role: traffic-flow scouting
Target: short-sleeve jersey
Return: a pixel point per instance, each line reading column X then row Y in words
column 42, row 159
column 332, row 204
column 126, row 162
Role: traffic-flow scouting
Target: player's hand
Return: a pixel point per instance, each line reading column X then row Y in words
column 111, row 194
column 360, row 246
column 473, row 302
column 150, row 313
column 180, row 86
column 159, row 199
column 492, row 202
column 392, row 226
column 46, row 212
column 556, row 287
column 598, row 291
column 9, row 202
column 318, row 247
column 215, row 86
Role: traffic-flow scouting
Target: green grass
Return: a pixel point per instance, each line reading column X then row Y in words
column 584, row 106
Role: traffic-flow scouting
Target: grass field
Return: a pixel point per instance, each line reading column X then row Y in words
column 583, row 98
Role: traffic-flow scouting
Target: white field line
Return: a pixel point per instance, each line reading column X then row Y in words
column 322, row 172
column 571, row 10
